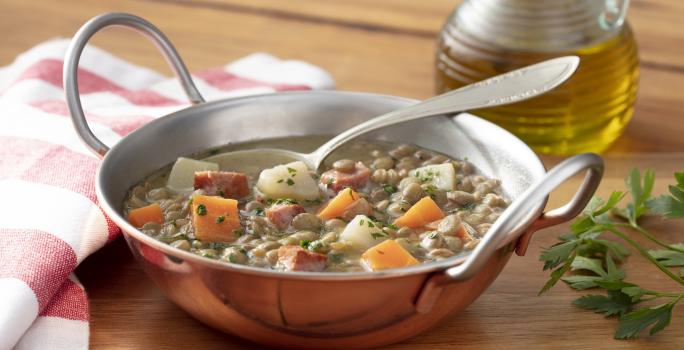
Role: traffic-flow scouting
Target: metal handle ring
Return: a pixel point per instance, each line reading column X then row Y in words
column 500, row 232
column 73, row 55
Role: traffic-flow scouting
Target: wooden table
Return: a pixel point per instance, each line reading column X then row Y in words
column 386, row 47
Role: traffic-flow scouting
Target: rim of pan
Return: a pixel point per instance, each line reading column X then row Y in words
column 128, row 229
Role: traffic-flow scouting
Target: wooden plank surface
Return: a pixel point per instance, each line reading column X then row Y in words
column 379, row 46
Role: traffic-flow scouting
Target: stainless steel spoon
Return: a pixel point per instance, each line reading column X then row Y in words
column 511, row 87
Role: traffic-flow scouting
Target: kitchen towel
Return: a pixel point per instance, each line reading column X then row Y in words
column 49, row 216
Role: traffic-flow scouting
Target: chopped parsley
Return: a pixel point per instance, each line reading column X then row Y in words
column 201, row 210
column 281, row 181
column 282, row 201
column 390, row 189
column 259, row 211
column 361, row 222
column 315, row 245
column 305, row 243
column 336, row 258
column 377, row 235
column 291, row 170
column 238, row 232
column 392, row 226
column 468, row 206
column 330, row 181
column 218, row 245
column 290, row 182
column 430, row 189
column 220, row 219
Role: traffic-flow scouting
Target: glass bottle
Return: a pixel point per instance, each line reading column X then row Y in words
column 482, row 38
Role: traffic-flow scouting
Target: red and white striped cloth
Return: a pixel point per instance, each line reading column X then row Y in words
column 49, row 216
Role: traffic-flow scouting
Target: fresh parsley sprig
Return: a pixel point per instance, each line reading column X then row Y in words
column 593, row 261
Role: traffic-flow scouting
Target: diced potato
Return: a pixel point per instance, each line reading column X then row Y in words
column 362, row 233
column 420, row 214
column 291, row 180
column 182, row 176
column 215, row 219
column 339, row 204
column 442, row 176
column 151, row 213
column 387, row 255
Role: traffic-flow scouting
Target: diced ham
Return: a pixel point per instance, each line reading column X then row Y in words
column 281, row 215
column 222, row 183
column 358, row 207
column 337, row 180
column 294, row 258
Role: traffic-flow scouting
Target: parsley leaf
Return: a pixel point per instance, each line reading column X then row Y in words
column 658, row 317
column 670, row 207
column 640, row 189
column 389, row 189
column 615, row 303
column 669, row 257
column 593, row 259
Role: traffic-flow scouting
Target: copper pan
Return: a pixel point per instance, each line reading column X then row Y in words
column 319, row 310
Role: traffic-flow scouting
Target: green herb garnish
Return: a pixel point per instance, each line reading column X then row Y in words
column 315, row 246
column 290, row 182
column 336, row 258
column 291, row 170
column 201, row 210
column 389, row 189
column 282, row 201
column 585, row 250
column 220, row 219
column 377, row 235
column 281, row 181
column 304, row 243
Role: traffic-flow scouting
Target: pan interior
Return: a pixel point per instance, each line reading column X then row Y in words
column 495, row 152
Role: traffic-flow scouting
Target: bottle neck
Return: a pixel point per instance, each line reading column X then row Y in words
column 534, row 25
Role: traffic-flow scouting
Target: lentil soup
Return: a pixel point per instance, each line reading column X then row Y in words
column 373, row 206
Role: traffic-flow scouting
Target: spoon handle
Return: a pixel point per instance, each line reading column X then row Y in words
column 514, row 86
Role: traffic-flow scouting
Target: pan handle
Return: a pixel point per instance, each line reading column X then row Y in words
column 499, row 233
column 73, row 55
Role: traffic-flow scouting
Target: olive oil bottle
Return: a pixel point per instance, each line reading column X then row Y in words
column 483, row 38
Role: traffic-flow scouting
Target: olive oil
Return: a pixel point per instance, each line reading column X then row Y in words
column 586, row 113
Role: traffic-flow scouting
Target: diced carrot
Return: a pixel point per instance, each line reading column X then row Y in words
column 140, row 216
column 420, row 214
column 387, row 255
column 339, row 204
column 215, row 219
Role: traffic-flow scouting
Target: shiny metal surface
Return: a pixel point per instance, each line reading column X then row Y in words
column 325, row 310
column 511, row 87
column 73, row 55
column 314, row 310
